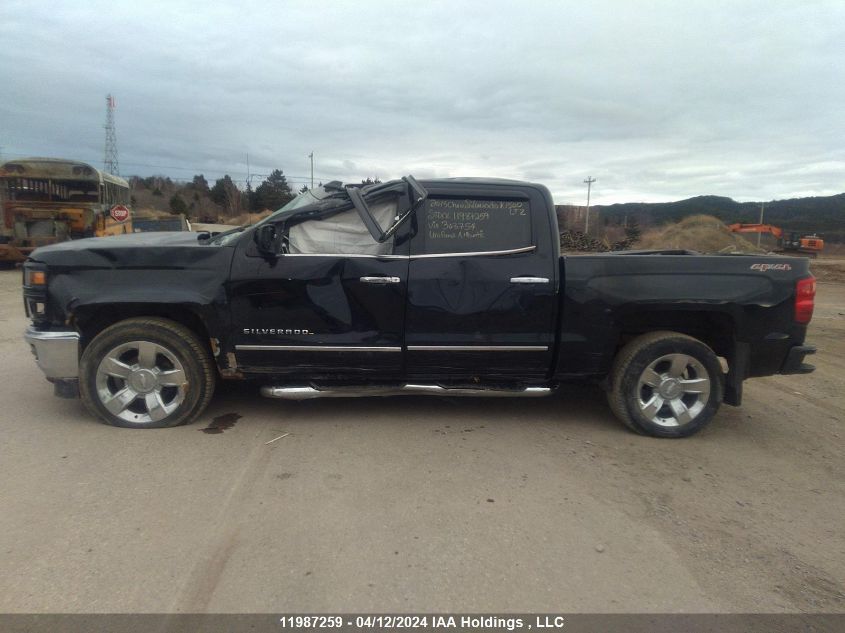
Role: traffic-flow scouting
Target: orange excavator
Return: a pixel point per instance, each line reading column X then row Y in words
column 791, row 242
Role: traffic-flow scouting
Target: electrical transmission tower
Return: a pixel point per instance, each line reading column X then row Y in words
column 110, row 164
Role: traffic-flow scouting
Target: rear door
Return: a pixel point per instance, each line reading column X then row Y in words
column 482, row 284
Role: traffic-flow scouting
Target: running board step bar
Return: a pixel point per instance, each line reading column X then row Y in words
column 310, row 392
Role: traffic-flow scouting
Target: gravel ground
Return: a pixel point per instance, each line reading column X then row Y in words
column 418, row 504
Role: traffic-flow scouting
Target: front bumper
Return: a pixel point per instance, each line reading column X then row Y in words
column 794, row 363
column 57, row 353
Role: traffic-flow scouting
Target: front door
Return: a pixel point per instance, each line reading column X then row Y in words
column 321, row 310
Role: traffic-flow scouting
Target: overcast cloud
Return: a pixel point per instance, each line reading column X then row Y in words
column 656, row 100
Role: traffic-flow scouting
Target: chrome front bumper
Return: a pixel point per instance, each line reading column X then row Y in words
column 57, row 353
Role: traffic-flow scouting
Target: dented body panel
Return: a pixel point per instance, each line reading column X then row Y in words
column 505, row 316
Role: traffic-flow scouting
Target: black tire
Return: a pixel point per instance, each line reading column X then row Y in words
column 178, row 357
column 645, row 379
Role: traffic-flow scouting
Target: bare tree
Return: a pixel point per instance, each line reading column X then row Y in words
column 234, row 203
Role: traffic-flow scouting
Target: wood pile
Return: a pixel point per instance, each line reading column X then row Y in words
column 578, row 241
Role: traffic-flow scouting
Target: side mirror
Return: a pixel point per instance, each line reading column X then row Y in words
column 265, row 239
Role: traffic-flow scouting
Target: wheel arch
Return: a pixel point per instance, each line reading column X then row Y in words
column 715, row 328
column 91, row 319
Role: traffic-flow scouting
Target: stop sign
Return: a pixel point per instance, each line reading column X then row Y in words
column 119, row 213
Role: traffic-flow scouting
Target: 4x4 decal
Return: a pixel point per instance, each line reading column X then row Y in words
column 765, row 267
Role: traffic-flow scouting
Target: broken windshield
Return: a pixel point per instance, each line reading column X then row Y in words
column 333, row 197
column 305, row 198
column 310, row 196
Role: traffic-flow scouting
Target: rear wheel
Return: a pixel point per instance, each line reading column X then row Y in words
column 146, row 373
column 666, row 384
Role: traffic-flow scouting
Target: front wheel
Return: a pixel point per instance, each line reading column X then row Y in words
column 666, row 384
column 146, row 373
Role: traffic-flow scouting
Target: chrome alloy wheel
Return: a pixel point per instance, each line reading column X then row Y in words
column 141, row 382
column 673, row 390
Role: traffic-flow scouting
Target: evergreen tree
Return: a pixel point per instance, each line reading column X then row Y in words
column 633, row 232
column 250, row 199
column 177, row 204
column 274, row 192
column 200, row 184
column 226, row 193
column 218, row 192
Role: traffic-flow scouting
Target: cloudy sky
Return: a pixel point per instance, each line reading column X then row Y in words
column 656, row 100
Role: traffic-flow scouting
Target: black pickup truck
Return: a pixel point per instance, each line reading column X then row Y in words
column 442, row 287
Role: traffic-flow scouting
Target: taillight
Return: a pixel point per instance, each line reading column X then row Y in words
column 805, row 297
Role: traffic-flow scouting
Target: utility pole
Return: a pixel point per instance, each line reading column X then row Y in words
column 589, row 182
column 759, row 235
column 311, row 156
column 110, row 164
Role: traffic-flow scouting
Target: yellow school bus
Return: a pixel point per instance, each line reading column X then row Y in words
column 47, row 200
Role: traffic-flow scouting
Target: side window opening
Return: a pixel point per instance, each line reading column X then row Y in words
column 344, row 233
column 472, row 225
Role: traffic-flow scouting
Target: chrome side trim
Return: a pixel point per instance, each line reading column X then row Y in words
column 57, row 353
column 478, row 348
column 411, row 348
column 310, row 392
column 512, row 251
column 352, row 255
column 313, row 348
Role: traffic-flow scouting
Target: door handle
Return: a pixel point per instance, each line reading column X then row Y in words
column 380, row 280
column 529, row 280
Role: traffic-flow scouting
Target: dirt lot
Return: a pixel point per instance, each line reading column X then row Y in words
column 424, row 504
column 831, row 269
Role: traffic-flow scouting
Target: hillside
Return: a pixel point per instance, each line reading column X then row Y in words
column 824, row 215
column 703, row 233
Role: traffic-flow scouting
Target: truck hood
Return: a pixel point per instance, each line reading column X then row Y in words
column 166, row 250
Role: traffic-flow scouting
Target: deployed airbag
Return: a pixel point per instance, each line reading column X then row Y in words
column 343, row 233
